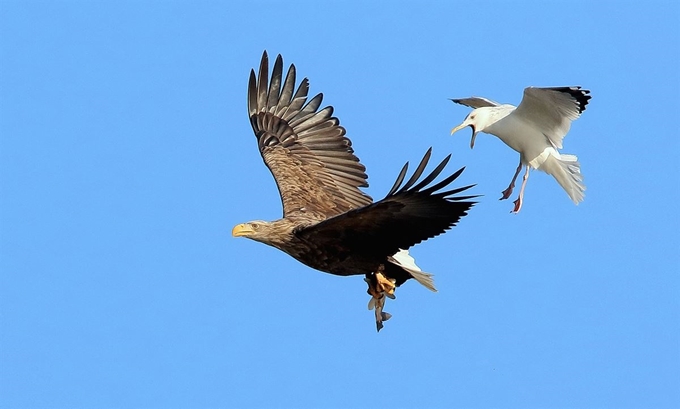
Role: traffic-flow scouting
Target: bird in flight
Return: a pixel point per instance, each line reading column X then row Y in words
column 328, row 223
column 535, row 129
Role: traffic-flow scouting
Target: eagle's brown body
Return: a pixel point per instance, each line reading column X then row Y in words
column 328, row 223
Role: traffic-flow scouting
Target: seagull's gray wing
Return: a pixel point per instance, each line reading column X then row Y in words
column 552, row 109
column 476, row 102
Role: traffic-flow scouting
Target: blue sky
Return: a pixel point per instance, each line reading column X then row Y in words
column 126, row 157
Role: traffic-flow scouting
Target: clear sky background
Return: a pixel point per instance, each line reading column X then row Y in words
column 126, row 157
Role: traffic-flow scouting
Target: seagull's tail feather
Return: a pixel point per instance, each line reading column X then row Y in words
column 567, row 171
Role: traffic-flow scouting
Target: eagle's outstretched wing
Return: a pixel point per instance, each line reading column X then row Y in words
column 305, row 148
column 408, row 215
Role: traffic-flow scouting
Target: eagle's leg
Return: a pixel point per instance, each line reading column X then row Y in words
column 507, row 192
column 379, row 286
column 518, row 202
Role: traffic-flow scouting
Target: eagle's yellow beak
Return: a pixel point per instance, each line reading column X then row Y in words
column 242, row 229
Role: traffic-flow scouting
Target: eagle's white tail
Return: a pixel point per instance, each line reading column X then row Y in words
column 567, row 171
column 408, row 263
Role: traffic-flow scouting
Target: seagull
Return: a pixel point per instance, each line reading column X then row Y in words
column 535, row 129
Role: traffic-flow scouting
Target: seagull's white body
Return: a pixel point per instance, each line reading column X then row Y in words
column 535, row 129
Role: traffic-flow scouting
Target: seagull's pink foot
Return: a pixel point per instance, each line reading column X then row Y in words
column 507, row 192
column 518, row 205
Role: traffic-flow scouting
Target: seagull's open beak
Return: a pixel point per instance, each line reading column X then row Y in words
column 474, row 135
column 474, row 132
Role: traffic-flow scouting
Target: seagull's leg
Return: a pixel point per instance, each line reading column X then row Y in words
column 507, row 192
column 518, row 202
column 378, row 287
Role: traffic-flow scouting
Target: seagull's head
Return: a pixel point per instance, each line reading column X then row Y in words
column 478, row 120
